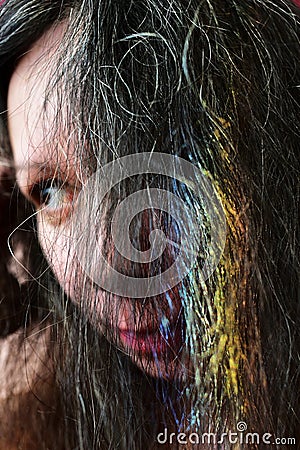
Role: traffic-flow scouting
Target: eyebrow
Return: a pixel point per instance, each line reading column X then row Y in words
column 29, row 173
column 50, row 168
column 29, row 166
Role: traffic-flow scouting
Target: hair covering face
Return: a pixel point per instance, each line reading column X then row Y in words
column 215, row 86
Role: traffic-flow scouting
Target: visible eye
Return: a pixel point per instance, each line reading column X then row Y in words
column 51, row 194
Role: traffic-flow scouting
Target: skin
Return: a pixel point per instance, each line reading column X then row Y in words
column 30, row 412
column 40, row 162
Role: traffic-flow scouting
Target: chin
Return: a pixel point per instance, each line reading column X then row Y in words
column 179, row 369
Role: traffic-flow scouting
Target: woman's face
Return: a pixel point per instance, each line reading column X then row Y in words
column 149, row 331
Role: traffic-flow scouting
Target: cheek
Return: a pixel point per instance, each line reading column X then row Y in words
column 58, row 248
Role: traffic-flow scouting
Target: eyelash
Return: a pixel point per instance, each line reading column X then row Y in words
column 41, row 193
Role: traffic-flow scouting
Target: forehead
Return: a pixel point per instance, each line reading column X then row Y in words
column 31, row 112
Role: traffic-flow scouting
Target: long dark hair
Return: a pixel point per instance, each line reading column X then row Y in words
column 216, row 83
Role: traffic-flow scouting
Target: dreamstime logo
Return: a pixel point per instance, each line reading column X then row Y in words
column 239, row 436
column 187, row 219
column 241, row 426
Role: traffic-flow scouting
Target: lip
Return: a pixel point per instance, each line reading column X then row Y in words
column 147, row 332
column 153, row 342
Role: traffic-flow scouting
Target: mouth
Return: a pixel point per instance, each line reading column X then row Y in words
column 154, row 329
column 167, row 340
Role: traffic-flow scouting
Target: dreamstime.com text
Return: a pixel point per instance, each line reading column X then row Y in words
column 240, row 436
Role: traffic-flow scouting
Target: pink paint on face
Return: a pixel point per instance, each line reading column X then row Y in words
column 296, row 2
column 46, row 164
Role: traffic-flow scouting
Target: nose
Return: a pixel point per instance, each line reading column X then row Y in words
column 153, row 241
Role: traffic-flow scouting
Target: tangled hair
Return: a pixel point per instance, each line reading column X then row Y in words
column 216, row 83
